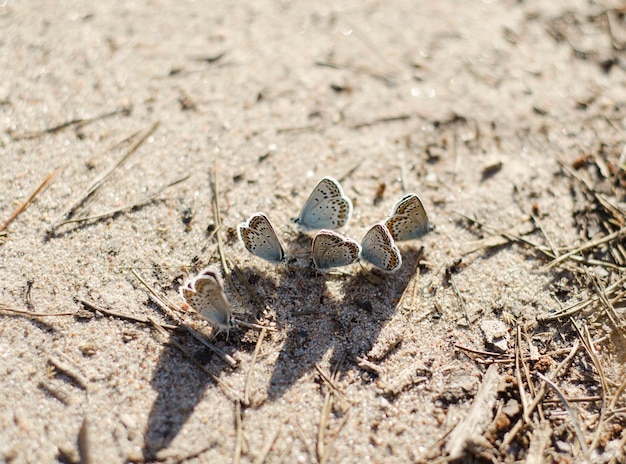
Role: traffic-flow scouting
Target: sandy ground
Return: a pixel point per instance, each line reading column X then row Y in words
column 469, row 104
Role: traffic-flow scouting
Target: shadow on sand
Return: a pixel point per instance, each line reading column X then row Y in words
column 348, row 322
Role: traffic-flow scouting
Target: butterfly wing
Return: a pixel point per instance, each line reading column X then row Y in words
column 379, row 249
column 212, row 304
column 408, row 219
column 405, row 228
column 205, row 295
column 260, row 239
column 331, row 249
column 188, row 293
column 409, row 205
column 327, row 207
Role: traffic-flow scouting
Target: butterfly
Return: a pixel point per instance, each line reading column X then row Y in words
column 331, row 249
column 326, row 208
column 379, row 249
column 205, row 295
column 408, row 219
column 260, row 239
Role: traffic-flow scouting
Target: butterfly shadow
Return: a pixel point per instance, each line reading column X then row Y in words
column 181, row 385
column 343, row 313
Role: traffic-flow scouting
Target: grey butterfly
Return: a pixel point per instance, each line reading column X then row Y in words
column 260, row 239
column 326, row 208
column 408, row 219
column 331, row 249
column 204, row 294
column 378, row 248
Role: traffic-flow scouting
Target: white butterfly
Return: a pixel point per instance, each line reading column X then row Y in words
column 379, row 249
column 326, row 208
column 204, row 294
column 260, row 239
column 331, row 249
column 408, row 219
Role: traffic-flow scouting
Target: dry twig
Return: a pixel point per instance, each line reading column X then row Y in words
column 22, row 312
column 610, row 207
column 303, row 438
column 225, row 356
column 587, row 246
column 478, row 416
column 604, row 389
column 323, row 448
column 23, row 206
column 544, row 250
column 98, row 183
column 200, row 366
column 539, row 439
column 361, row 69
column 609, row 309
column 351, row 170
column 579, row 306
column 146, row 201
column 257, row 348
column 261, row 458
column 141, row 319
column 64, row 365
column 461, row 300
column 218, row 222
column 372, row 122
column 238, row 433
column 413, row 279
column 220, row 246
column 518, row 376
column 570, row 412
column 125, row 110
column 162, row 301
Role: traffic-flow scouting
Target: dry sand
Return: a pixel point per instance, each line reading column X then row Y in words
column 469, row 104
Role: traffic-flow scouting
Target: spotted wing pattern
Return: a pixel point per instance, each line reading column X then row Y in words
column 260, row 239
column 326, row 208
column 378, row 248
column 205, row 295
column 331, row 249
column 408, row 219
